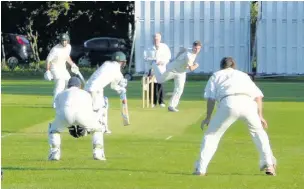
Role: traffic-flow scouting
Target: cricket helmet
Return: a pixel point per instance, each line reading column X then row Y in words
column 119, row 56
column 64, row 37
column 74, row 82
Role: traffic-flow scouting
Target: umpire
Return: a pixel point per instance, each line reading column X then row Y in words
column 159, row 53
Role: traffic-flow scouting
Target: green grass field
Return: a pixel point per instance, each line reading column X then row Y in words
column 157, row 150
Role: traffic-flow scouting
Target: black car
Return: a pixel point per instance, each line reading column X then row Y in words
column 17, row 49
column 99, row 49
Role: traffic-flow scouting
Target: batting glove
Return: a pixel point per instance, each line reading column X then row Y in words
column 123, row 83
column 121, row 90
column 74, row 69
column 48, row 75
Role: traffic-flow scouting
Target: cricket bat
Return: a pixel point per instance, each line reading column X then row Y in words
column 124, row 109
column 81, row 78
column 76, row 71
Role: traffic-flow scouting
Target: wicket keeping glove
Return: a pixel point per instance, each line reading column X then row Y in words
column 76, row 131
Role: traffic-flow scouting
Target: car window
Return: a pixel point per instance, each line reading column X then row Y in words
column 24, row 39
column 114, row 43
column 6, row 39
column 97, row 43
column 117, row 43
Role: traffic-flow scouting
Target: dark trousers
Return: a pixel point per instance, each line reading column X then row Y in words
column 158, row 97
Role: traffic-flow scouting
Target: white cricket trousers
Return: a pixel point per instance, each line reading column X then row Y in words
column 61, row 78
column 100, row 107
column 163, row 75
column 60, row 85
column 231, row 109
column 69, row 116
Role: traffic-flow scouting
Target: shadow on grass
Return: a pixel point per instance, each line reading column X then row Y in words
column 119, row 170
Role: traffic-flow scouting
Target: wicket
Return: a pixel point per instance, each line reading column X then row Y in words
column 146, row 91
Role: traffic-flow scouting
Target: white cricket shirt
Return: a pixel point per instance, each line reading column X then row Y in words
column 58, row 56
column 182, row 62
column 230, row 81
column 162, row 54
column 108, row 73
column 73, row 97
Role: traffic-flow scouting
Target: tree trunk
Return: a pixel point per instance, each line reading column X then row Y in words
column 3, row 61
column 33, row 42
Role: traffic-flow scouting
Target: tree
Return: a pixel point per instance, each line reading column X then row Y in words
column 254, row 8
column 29, row 16
column 42, row 22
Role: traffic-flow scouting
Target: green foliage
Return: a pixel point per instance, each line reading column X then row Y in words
column 4, row 67
column 81, row 19
column 55, row 9
column 254, row 11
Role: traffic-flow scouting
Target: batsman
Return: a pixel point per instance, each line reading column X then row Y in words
column 108, row 73
column 74, row 111
column 56, row 65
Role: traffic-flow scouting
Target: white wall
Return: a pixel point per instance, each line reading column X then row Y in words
column 222, row 27
column 280, row 38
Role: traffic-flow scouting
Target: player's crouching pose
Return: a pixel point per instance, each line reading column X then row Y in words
column 177, row 69
column 238, row 98
column 74, row 110
column 56, row 65
column 108, row 73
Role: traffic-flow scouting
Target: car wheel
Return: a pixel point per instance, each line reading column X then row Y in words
column 12, row 62
column 84, row 61
column 128, row 76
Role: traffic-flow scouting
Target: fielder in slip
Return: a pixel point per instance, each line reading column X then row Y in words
column 56, row 65
column 108, row 73
column 238, row 98
column 177, row 69
column 74, row 111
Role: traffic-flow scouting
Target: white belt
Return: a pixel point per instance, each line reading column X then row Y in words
column 234, row 94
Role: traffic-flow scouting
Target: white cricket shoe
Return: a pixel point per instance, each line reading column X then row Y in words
column 108, row 132
column 54, row 155
column 171, row 109
column 98, row 154
column 263, row 166
column 162, row 105
column 54, row 105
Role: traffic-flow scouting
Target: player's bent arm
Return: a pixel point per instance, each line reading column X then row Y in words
column 193, row 67
column 182, row 51
column 48, row 65
column 115, row 84
column 259, row 101
column 210, row 107
column 70, row 61
column 50, row 58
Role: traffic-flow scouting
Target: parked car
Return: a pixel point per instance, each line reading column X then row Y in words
column 17, row 49
column 99, row 49
column 77, row 52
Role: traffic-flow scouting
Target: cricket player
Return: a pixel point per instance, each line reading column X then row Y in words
column 56, row 64
column 159, row 53
column 74, row 111
column 177, row 69
column 108, row 73
column 238, row 98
